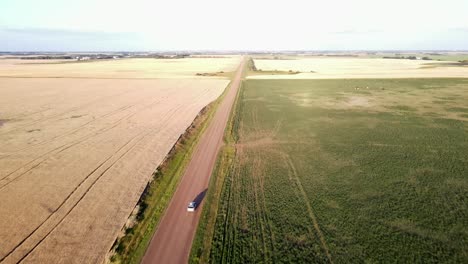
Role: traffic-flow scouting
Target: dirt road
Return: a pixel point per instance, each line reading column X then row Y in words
column 173, row 239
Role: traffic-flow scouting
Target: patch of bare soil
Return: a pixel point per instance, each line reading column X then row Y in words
column 357, row 101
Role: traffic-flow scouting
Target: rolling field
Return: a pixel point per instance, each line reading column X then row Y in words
column 77, row 153
column 342, row 171
column 342, row 68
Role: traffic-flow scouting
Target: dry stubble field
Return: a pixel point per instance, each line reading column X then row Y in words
column 356, row 68
column 76, row 153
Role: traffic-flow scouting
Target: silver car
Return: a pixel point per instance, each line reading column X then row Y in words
column 192, row 206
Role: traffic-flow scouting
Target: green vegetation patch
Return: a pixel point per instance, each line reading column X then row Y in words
column 321, row 173
column 429, row 56
column 229, row 75
column 401, row 108
column 253, row 70
column 458, row 109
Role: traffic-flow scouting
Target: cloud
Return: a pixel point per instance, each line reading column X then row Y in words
column 55, row 39
column 356, row 32
column 66, row 33
column 460, row 29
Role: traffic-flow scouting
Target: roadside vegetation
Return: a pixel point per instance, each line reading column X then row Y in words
column 455, row 57
column 317, row 171
column 253, row 70
column 229, row 75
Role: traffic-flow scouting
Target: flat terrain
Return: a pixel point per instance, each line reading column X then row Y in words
column 345, row 171
column 120, row 68
column 173, row 239
column 76, row 154
column 349, row 67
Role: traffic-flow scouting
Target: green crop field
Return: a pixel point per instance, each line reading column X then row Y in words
column 342, row 171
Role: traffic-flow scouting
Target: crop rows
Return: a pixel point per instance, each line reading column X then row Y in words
column 343, row 181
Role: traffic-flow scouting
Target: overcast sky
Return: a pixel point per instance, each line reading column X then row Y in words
column 111, row 25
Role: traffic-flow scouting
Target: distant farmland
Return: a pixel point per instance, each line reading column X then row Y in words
column 343, row 171
column 79, row 143
column 118, row 69
column 356, row 68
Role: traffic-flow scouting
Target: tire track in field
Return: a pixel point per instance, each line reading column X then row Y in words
column 260, row 177
column 30, row 114
column 149, row 130
column 310, row 211
column 60, row 206
column 65, row 146
column 84, row 138
column 141, row 136
column 69, row 132
column 79, row 199
column 226, row 209
column 256, row 126
column 229, row 230
column 65, row 112
column 257, row 182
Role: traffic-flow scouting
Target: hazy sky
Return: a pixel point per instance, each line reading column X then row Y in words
column 84, row 25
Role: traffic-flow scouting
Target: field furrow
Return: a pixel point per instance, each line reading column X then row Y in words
column 85, row 166
column 344, row 171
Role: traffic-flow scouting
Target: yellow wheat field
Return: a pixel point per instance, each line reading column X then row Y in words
column 76, row 153
column 120, row 68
